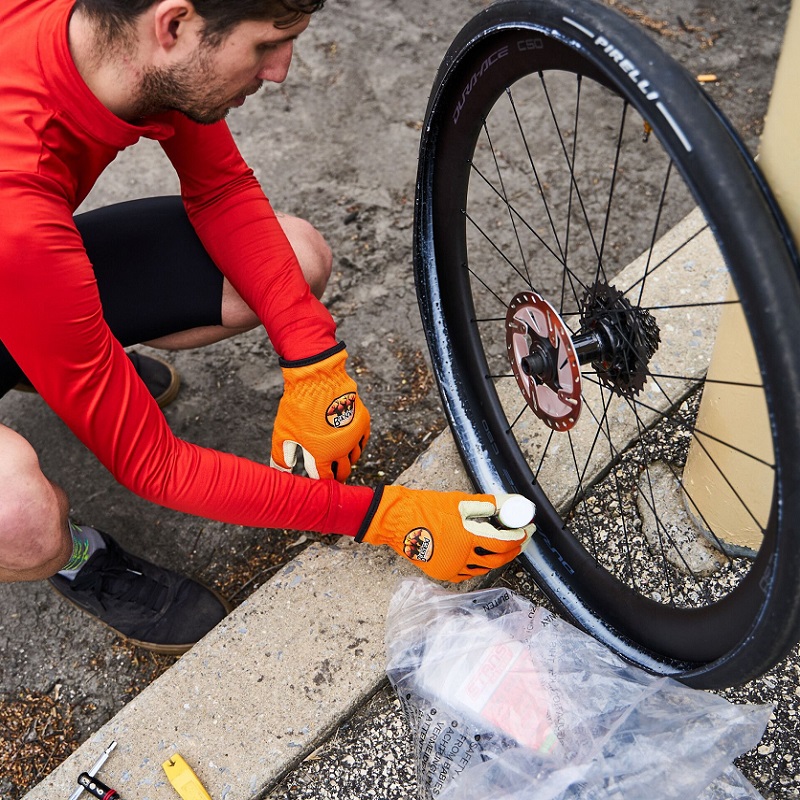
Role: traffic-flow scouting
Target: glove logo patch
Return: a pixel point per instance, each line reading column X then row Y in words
column 341, row 411
column 418, row 545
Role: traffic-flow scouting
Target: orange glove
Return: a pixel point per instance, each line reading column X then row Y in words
column 446, row 534
column 320, row 414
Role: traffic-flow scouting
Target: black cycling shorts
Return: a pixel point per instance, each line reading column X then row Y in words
column 153, row 274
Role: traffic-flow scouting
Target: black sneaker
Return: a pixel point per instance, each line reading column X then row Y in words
column 146, row 605
column 161, row 379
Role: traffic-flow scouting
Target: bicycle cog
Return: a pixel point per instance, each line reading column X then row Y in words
column 630, row 337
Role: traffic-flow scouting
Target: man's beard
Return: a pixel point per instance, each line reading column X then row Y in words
column 182, row 88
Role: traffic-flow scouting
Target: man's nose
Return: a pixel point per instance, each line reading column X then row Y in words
column 276, row 68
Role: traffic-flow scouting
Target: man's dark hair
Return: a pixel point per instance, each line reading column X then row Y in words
column 115, row 17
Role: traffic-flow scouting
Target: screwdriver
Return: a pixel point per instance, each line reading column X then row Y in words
column 96, row 787
column 95, row 768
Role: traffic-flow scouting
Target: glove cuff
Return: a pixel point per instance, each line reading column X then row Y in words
column 307, row 362
column 370, row 515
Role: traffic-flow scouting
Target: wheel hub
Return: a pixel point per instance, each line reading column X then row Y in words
column 615, row 337
column 543, row 360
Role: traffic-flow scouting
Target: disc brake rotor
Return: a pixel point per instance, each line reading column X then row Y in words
column 543, row 360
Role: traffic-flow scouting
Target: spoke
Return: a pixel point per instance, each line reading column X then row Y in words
column 581, row 493
column 600, row 271
column 544, row 455
column 675, row 306
column 654, row 236
column 513, row 209
column 702, row 381
column 735, row 491
column 643, row 429
column 571, row 167
column 581, row 474
column 651, row 504
column 663, row 416
column 536, row 176
column 642, row 439
column 486, row 286
column 682, row 486
column 666, row 259
column 614, row 459
column 574, row 190
column 504, row 196
column 674, row 403
column 517, row 418
column 564, row 276
column 668, row 581
column 589, row 455
column 497, row 249
column 733, row 447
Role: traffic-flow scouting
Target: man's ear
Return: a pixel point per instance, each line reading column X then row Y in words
column 171, row 19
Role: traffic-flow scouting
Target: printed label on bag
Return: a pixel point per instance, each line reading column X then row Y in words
column 418, row 545
column 444, row 750
column 341, row 411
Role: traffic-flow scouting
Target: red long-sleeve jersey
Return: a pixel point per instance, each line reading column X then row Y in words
column 55, row 140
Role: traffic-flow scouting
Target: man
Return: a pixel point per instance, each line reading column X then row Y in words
column 81, row 81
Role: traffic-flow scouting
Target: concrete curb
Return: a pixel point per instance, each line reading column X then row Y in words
column 264, row 688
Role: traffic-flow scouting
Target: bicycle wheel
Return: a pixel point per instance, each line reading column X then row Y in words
column 582, row 210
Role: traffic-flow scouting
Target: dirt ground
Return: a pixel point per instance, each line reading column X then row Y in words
column 336, row 144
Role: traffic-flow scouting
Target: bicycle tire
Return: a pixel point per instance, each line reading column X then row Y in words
column 473, row 228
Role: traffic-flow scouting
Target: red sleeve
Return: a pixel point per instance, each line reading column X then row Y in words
column 51, row 321
column 239, row 229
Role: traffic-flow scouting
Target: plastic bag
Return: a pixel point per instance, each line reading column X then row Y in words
column 507, row 701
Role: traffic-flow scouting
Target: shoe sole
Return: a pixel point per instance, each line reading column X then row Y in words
column 163, row 400
column 171, row 392
column 153, row 647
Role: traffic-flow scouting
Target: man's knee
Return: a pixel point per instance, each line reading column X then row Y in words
column 312, row 251
column 316, row 262
column 34, row 541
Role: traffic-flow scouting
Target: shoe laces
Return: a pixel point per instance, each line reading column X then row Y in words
column 112, row 578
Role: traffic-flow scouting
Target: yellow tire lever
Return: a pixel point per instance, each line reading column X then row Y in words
column 183, row 779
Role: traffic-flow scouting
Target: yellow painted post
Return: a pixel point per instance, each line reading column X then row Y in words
column 728, row 492
column 737, row 509
column 779, row 158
